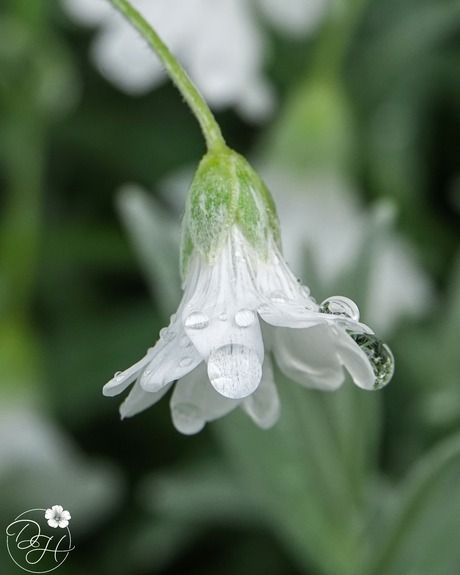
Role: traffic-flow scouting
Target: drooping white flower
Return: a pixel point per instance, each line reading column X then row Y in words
column 219, row 43
column 241, row 306
column 57, row 516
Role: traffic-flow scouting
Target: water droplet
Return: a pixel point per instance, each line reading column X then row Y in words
column 223, row 317
column 234, row 371
column 237, row 254
column 197, row 320
column 173, row 318
column 278, row 296
column 264, row 308
column 119, row 376
column 185, row 361
column 166, row 334
column 184, row 341
column 341, row 306
column 380, row 356
column 147, row 372
column 244, row 317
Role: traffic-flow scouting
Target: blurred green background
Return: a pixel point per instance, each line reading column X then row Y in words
column 362, row 155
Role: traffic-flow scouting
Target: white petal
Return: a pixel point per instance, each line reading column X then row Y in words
column 263, row 406
column 138, row 400
column 309, row 357
column 49, row 514
column 355, row 360
column 123, row 379
column 53, row 523
column 235, row 371
column 195, row 402
column 63, row 523
column 65, row 515
column 173, row 360
column 58, row 509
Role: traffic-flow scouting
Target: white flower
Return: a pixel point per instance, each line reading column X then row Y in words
column 241, row 305
column 219, row 43
column 218, row 346
column 57, row 517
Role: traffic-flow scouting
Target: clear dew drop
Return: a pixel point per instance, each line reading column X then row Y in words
column 244, row 317
column 147, row 372
column 119, row 376
column 278, row 296
column 341, row 306
column 197, row 320
column 379, row 355
column 185, row 361
column 184, row 341
column 166, row 335
column 223, row 317
column 173, row 318
column 264, row 308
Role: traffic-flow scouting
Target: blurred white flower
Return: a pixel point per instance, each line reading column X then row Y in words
column 57, row 517
column 220, row 43
column 322, row 217
column 233, row 314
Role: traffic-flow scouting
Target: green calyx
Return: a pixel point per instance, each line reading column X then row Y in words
column 226, row 191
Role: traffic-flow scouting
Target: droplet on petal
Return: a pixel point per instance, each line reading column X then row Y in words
column 197, row 320
column 184, row 341
column 278, row 297
column 264, row 308
column 234, row 371
column 223, row 317
column 119, row 376
column 147, row 372
column 187, row 418
column 244, row 317
column 185, row 362
column 341, row 306
column 166, row 335
column 379, row 355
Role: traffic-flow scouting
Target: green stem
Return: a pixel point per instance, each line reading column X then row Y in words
column 184, row 84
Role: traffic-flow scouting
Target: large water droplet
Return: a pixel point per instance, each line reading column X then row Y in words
column 278, row 296
column 244, row 317
column 379, row 355
column 197, row 320
column 234, row 371
column 184, row 341
column 341, row 306
column 119, row 376
column 185, row 361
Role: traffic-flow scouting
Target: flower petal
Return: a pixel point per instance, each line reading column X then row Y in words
column 195, row 402
column 124, row 379
column 309, row 357
column 355, row 360
column 53, row 523
column 65, row 515
column 139, row 399
column 263, row 406
column 173, row 360
column 58, row 509
column 235, row 371
column 63, row 523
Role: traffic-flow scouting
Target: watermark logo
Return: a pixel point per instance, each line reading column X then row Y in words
column 39, row 540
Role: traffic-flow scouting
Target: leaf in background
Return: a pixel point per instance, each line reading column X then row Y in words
column 155, row 235
column 421, row 536
column 310, row 474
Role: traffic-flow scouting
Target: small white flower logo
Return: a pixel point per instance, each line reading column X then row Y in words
column 57, row 517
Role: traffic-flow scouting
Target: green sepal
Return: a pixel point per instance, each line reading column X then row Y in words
column 226, row 191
